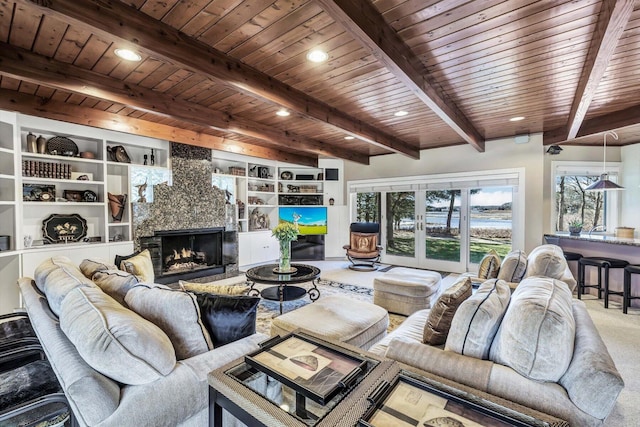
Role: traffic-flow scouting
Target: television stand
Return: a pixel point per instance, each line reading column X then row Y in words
column 308, row 247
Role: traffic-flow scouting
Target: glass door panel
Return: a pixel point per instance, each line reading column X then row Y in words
column 490, row 222
column 399, row 225
column 442, row 225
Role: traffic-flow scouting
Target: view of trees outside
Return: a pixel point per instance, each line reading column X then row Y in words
column 490, row 222
column 574, row 204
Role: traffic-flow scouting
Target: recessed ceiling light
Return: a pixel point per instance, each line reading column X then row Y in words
column 516, row 119
column 317, row 55
column 283, row 113
column 400, row 113
column 349, row 137
column 128, row 55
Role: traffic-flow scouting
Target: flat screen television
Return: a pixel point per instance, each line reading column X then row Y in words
column 311, row 220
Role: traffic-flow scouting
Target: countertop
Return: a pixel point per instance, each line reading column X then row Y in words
column 597, row 238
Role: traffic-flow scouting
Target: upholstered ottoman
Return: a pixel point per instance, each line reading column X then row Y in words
column 337, row 318
column 406, row 290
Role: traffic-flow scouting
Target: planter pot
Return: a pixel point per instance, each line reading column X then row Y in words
column 575, row 231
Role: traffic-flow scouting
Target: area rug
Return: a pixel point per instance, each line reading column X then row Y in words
column 267, row 309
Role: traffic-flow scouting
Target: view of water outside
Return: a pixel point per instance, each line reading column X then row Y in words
column 490, row 225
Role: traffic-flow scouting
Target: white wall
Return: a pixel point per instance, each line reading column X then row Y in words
column 499, row 154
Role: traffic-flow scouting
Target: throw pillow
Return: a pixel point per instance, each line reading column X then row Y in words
column 92, row 265
column 213, row 288
column 55, row 277
column 364, row 243
column 114, row 340
column 489, row 265
column 441, row 314
column 513, row 267
column 537, row 333
column 175, row 312
column 140, row 265
column 116, row 283
column 228, row 318
column 119, row 258
column 547, row 261
column 476, row 321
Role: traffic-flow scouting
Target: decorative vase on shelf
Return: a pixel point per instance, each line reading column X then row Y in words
column 32, row 145
column 284, row 264
column 42, row 144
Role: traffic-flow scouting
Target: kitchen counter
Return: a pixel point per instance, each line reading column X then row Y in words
column 596, row 237
column 603, row 245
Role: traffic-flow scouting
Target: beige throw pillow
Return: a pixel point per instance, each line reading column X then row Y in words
column 478, row 318
column 213, row 288
column 489, row 266
column 140, row 265
column 441, row 314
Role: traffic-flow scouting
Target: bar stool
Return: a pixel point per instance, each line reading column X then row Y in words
column 601, row 263
column 626, row 293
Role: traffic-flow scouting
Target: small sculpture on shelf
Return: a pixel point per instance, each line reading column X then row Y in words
column 117, row 203
column 142, row 189
column 259, row 220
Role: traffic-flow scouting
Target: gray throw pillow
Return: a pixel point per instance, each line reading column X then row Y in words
column 90, row 266
column 116, row 283
column 55, row 277
column 174, row 311
column 114, row 340
column 538, row 330
column 547, row 261
column 513, row 267
column 441, row 314
column 478, row 318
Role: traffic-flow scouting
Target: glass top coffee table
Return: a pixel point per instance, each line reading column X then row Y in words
column 284, row 289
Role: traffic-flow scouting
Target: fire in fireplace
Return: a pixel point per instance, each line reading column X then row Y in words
column 184, row 254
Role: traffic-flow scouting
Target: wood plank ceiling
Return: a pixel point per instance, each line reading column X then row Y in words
column 214, row 73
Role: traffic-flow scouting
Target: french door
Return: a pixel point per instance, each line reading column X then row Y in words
column 446, row 230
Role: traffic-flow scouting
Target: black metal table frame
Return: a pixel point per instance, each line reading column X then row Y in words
column 297, row 292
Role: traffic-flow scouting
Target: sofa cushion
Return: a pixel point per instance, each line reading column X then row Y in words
column 215, row 288
column 477, row 320
column 116, row 283
column 547, row 261
column 114, row 340
column 536, row 336
column 439, row 320
column 175, row 312
column 90, row 266
column 513, row 267
column 55, row 277
column 140, row 265
column 228, row 318
column 489, row 265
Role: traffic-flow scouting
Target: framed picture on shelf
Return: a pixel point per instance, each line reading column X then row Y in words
column 38, row 193
column 314, row 370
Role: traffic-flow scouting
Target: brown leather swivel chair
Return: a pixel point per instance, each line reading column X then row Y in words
column 363, row 249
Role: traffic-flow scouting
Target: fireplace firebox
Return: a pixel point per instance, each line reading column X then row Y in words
column 187, row 254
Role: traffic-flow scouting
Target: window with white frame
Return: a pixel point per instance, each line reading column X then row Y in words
column 573, row 205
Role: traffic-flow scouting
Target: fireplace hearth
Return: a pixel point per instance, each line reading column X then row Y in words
column 187, row 254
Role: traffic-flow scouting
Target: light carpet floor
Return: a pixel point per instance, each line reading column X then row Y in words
column 620, row 332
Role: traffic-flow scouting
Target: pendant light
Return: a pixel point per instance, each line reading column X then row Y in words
column 604, row 183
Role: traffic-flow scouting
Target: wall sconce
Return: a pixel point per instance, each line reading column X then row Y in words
column 554, row 149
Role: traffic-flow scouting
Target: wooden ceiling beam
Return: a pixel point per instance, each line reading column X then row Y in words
column 612, row 121
column 24, row 65
column 365, row 24
column 47, row 108
column 124, row 24
column 612, row 21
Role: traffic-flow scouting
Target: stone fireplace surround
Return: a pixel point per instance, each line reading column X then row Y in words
column 191, row 203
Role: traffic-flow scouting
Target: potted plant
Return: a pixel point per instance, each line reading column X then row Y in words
column 285, row 232
column 575, row 227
